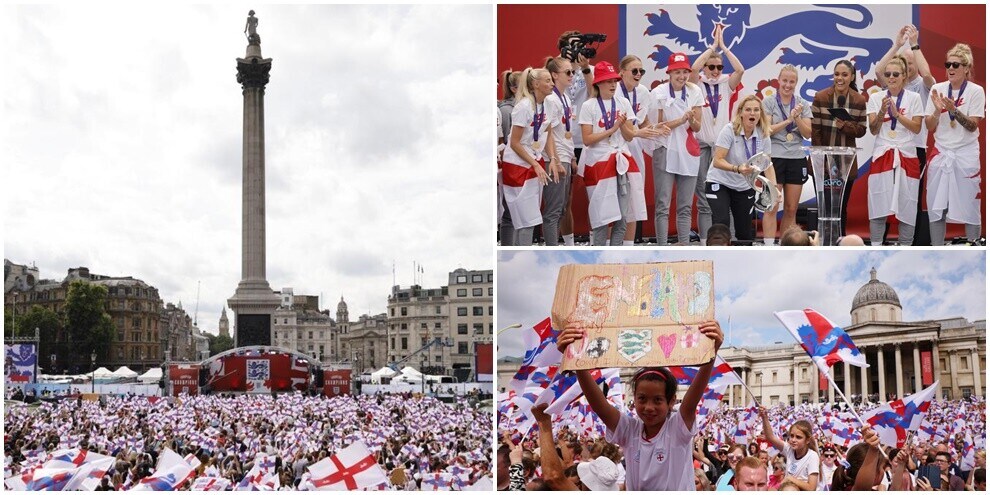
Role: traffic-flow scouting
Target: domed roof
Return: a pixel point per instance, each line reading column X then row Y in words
column 341, row 306
column 875, row 292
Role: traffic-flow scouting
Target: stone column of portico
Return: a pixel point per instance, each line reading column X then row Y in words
column 797, row 371
column 977, row 382
column 813, row 371
column 954, row 373
column 831, row 389
column 745, row 377
column 882, row 388
column 898, row 370
column 864, row 381
column 846, row 379
column 936, row 365
column 917, row 367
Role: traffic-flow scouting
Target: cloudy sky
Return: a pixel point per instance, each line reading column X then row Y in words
column 121, row 138
column 750, row 285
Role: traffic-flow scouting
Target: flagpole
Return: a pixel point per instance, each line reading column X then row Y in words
column 844, row 398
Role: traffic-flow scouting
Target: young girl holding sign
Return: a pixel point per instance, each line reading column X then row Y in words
column 803, row 464
column 657, row 442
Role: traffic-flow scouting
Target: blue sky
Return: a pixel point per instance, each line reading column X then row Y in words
column 751, row 284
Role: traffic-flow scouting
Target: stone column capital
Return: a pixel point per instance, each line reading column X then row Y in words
column 253, row 72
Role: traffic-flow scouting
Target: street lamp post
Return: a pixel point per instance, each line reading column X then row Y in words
column 92, row 359
column 422, row 372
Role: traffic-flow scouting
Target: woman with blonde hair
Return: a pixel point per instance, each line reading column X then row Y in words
column 728, row 187
column 895, row 172
column 508, row 80
column 557, row 218
column 523, row 176
column 790, row 125
column 955, row 110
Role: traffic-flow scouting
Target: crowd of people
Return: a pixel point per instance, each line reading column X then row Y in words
column 791, row 448
column 412, row 438
column 569, row 119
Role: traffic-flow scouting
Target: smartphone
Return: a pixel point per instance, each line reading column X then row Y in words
column 932, row 473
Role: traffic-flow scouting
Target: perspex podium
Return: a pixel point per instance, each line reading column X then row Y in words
column 830, row 168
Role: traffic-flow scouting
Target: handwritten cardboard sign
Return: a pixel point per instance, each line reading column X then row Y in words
column 636, row 315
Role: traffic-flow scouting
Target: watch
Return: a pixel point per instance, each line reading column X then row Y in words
column 586, row 70
column 916, row 47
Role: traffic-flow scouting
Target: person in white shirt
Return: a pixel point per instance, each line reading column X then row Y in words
column 803, row 463
column 955, row 110
column 717, row 89
column 563, row 124
column 895, row 118
column 675, row 157
column 523, row 176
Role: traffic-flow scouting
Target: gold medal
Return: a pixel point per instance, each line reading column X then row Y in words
column 891, row 134
column 952, row 124
column 790, row 137
column 537, row 145
column 567, row 134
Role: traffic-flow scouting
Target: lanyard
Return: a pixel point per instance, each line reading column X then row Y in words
column 567, row 110
column 607, row 118
column 713, row 100
column 538, row 122
column 626, row 94
column 962, row 89
column 890, row 111
column 749, row 154
column 683, row 92
column 780, row 103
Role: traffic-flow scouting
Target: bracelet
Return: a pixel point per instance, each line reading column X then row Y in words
column 916, row 47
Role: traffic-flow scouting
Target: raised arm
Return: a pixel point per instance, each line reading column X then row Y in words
column 596, row 398
column 689, row 407
column 737, row 66
column 896, row 47
column 550, row 463
column 872, row 464
column 768, row 431
column 919, row 59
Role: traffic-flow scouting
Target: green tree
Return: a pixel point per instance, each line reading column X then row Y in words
column 48, row 323
column 219, row 343
column 89, row 326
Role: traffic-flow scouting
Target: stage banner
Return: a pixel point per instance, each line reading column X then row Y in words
column 258, row 373
column 636, row 315
column 184, row 378
column 483, row 361
column 927, row 373
column 20, row 363
column 336, row 382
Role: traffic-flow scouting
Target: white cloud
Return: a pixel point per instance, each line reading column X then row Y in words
column 122, row 141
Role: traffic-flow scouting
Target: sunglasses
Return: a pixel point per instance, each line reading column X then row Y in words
column 568, row 72
column 638, row 72
column 954, row 65
column 715, row 67
column 735, row 457
column 892, row 74
column 829, row 455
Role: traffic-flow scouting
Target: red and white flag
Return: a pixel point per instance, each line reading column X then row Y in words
column 210, row 484
column 894, row 419
column 88, row 476
column 352, row 468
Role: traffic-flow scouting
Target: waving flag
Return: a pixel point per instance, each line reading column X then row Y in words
column 541, row 345
column 710, row 403
column 350, row 469
column 528, row 376
column 565, row 389
column 926, row 431
column 684, row 374
column 722, row 374
column 210, row 484
column 967, row 460
column 744, row 426
column 88, row 476
column 437, row 482
column 826, row 342
column 50, row 479
column 893, row 420
column 172, row 471
column 72, row 458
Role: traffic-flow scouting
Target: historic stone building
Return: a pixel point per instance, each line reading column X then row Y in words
column 904, row 357
column 134, row 307
column 459, row 314
column 183, row 339
column 364, row 342
column 224, row 324
column 300, row 325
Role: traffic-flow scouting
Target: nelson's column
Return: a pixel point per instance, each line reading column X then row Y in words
column 253, row 302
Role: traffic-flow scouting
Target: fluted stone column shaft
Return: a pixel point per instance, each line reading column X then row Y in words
column 917, row 367
column 898, row 371
column 864, row 382
column 977, row 382
column 253, row 199
column 954, row 373
column 831, row 389
column 795, row 381
column 936, row 364
column 882, row 389
column 846, row 379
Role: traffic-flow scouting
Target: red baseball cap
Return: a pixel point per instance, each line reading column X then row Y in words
column 677, row 61
column 604, row 71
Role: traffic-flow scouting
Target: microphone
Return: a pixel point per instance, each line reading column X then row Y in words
column 842, row 101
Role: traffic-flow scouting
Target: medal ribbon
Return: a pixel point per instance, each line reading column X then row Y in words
column 607, row 118
column 780, row 103
column 890, row 111
column 567, row 110
column 962, row 89
column 626, row 94
column 683, row 92
column 713, row 100
column 538, row 122
column 749, row 154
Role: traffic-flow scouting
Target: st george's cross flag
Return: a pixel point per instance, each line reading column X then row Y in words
column 210, row 484
column 894, row 419
column 171, row 472
column 826, row 342
column 722, row 374
column 88, row 476
column 711, row 401
column 352, row 468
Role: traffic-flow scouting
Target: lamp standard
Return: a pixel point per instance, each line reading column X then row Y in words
column 92, row 361
column 514, row 325
column 422, row 372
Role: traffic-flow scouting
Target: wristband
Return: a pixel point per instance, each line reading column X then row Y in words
column 586, row 70
column 916, row 47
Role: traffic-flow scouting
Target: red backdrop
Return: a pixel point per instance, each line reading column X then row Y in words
column 528, row 33
column 184, row 378
column 284, row 375
column 483, row 361
column 336, row 382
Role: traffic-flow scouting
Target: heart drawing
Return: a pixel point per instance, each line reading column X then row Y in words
column 667, row 343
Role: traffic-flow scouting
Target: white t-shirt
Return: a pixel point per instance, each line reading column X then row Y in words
column 973, row 104
column 918, row 86
column 736, row 144
column 643, row 103
column 579, row 93
column 661, row 463
column 911, row 106
column 591, row 114
column 711, row 125
column 556, row 116
column 663, row 101
column 523, row 115
column 804, row 467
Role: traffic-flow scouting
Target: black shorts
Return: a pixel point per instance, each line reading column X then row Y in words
column 791, row 170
